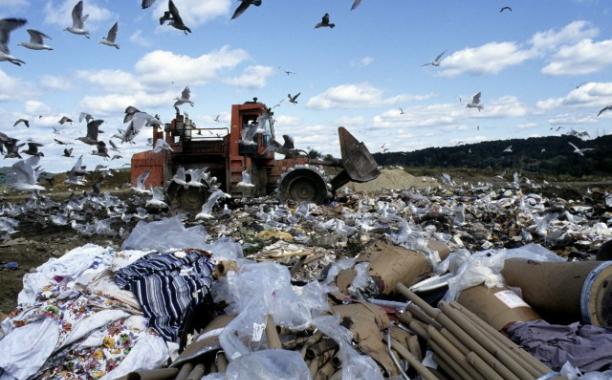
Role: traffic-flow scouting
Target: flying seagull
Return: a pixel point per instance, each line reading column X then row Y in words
column 184, row 99
column 111, row 37
column 64, row 120
column 401, row 111
column 7, row 25
column 161, row 145
column 293, row 98
column 356, row 3
column 173, row 16
column 218, row 119
column 147, row 3
column 605, row 109
column 37, row 41
column 325, row 22
column 244, row 5
column 85, row 116
column 579, row 151
column 436, row 62
column 24, row 121
column 506, row 8
column 33, row 149
column 508, row 149
column 92, row 132
column 114, row 147
column 68, row 152
column 74, row 176
column 11, row 146
column 101, row 150
column 475, row 103
column 78, row 21
column 60, row 142
column 26, row 174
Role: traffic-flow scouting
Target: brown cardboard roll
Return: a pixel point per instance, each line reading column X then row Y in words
column 580, row 290
column 499, row 307
column 391, row 264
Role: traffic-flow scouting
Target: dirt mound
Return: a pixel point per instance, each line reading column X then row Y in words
column 393, row 179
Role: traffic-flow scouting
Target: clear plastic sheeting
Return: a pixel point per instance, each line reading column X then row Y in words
column 255, row 291
column 480, row 268
column 338, row 267
column 362, row 279
column 225, row 249
column 533, row 252
column 572, row 373
column 269, row 364
column 354, row 365
column 165, row 235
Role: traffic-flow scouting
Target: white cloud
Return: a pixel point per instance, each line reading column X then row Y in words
column 569, row 34
column 163, row 67
column 592, row 94
column 527, row 126
column 55, row 82
column 350, row 121
column 585, row 57
column 572, row 119
column 252, row 77
column 138, row 38
column 490, row 58
column 111, row 80
column 12, row 88
column 33, row 107
column 363, row 62
column 112, row 103
column 283, row 121
column 356, row 95
column 61, row 14
column 195, row 12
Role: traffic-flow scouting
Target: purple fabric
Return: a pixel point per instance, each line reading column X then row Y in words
column 585, row 346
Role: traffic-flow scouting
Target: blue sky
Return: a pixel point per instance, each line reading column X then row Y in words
column 527, row 64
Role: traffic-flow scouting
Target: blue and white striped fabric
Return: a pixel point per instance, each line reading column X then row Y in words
column 166, row 286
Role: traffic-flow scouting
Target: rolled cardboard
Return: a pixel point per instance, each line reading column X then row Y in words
column 499, row 307
column 580, row 290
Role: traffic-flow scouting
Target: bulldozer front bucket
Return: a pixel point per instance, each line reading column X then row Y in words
column 357, row 162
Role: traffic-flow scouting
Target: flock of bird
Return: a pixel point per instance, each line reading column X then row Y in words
column 135, row 119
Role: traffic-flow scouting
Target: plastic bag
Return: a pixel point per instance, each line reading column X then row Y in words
column 354, row 365
column 164, row 235
column 533, row 252
column 481, row 267
column 260, row 289
column 269, row 364
column 362, row 279
column 338, row 267
column 572, row 373
column 225, row 249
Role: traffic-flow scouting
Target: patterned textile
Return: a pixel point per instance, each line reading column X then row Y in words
column 166, row 286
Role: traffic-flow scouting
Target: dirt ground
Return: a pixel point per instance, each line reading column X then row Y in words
column 33, row 248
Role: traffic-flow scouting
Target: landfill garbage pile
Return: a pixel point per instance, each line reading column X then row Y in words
column 457, row 283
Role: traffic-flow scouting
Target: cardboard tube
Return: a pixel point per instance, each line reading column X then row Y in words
column 274, row 341
column 486, row 343
column 412, row 360
column 456, row 371
column 184, row 372
column 499, row 307
column 576, row 290
column 536, row 367
column 221, row 361
column 454, row 353
column 482, row 367
column 197, row 372
column 156, row 374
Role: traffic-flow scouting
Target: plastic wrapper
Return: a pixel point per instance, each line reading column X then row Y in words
column 268, row 364
column 225, row 249
column 362, row 279
column 258, row 290
column 481, row 267
column 338, row 267
column 354, row 365
column 572, row 373
column 164, row 235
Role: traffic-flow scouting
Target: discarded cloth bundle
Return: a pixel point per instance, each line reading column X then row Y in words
column 167, row 285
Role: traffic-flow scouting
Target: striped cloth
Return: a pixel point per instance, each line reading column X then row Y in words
column 166, row 286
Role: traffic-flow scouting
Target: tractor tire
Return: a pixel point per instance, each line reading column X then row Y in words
column 189, row 200
column 304, row 184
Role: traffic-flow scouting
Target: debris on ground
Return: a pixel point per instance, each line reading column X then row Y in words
column 463, row 283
